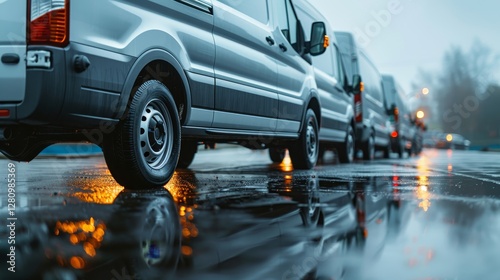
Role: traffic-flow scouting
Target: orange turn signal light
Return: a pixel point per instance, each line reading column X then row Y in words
column 326, row 42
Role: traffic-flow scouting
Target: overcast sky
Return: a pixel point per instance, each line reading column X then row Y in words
column 417, row 33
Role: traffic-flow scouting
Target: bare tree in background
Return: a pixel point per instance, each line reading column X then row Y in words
column 464, row 92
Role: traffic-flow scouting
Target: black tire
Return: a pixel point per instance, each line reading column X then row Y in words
column 369, row 148
column 143, row 150
column 188, row 151
column 388, row 150
column 401, row 149
column 304, row 153
column 310, row 212
column 347, row 151
column 409, row 151
column 277, row 154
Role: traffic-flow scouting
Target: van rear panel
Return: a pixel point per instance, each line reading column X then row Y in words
column 12, row 50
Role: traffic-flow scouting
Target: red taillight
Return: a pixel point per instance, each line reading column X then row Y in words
column 4, row 113
column 358, row 110
column 48, row 22
column 360, row 209
column 394, row 134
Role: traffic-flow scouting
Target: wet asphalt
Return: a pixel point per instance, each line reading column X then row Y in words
column 235, row 215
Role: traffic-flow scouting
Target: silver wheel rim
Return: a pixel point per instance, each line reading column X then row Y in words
column 155, row 134
column 350, row 148
column 156, row 238
column 371, row 147
column 311, row 142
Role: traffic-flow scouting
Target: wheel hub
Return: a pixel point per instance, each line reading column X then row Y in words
column 311, row 141
column 156, row 134
column 350, row 148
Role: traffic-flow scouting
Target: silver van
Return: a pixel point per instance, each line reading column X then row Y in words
column 338, row 125
column 370, row 109
column 144, row 78
column 402, row 125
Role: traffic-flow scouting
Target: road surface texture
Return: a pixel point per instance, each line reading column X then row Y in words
column 235, row 215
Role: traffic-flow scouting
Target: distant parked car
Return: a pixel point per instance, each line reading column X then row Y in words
column 452, row 141
column 430, row 138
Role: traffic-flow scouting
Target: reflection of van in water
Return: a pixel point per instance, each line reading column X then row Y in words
column 134, row 73
column 337, row 113
column 372, row 129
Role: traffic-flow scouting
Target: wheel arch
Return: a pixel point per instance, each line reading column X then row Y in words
column 152, row 63
column 314, row 104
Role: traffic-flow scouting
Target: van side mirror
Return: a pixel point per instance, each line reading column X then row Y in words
column 357, row 84
column 319, row 40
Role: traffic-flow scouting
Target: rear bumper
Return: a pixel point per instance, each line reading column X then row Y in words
column 397, row 142
column 59, row 96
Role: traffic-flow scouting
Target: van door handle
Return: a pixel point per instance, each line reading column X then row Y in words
column 10, row 58
column 270, row 40
column 283, row 47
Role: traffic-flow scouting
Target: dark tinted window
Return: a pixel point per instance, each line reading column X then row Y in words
column 389, row 91
column 287, row 21
column 394, row 94
column 345, row 48
column 401, row 99
column 339, row 66
column 371, row 78
column 256, row 9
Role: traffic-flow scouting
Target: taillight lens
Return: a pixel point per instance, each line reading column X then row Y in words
column 48, row 22
column 358, row 110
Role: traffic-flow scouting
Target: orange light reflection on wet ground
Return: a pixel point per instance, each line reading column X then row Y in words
column 286, row 164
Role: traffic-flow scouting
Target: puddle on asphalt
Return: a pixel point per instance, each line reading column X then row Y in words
column 289, row 225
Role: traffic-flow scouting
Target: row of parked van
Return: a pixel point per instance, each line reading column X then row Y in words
column 360, row 109
column 149, row 81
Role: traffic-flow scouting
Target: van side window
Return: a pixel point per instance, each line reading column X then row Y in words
column 256, row 9
column 326, row 63
column 401, row 100
column 371, row 78
column 340, row 71
column 287, row 21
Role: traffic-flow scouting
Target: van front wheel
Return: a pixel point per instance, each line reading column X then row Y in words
column 143, row 150
column 304, row 153
column 369, row 148
column 346, row 151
